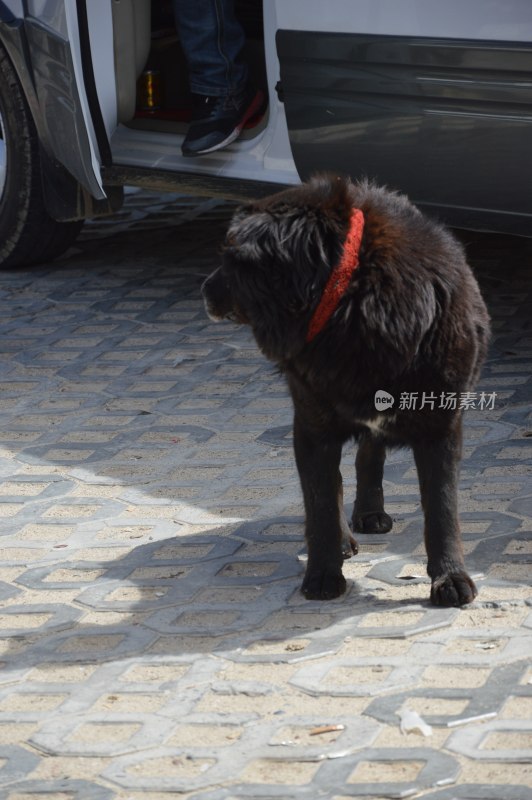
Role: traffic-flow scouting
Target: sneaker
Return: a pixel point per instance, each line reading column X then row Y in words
column 218, row 121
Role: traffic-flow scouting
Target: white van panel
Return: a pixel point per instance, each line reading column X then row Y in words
column 101, row 40
column 60, row 18
column 505, row 20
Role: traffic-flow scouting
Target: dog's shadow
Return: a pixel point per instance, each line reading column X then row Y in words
column 234, row 593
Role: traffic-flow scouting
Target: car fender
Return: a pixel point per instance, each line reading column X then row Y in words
column 65, row 197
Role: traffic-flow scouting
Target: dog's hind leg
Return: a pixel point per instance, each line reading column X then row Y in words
column 369, row 515
column 349, row 543
column 318, row 463
column 437, row 464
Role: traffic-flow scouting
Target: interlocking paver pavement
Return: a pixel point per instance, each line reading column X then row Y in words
column 153, row 638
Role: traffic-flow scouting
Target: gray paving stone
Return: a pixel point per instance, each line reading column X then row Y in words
column 7, row 590
column 48, row 617
column 86, row 643
column 387, row 676
column 64, row 736
column 72, row 788
column 481, row 703
column 471, row 741
column 333, row 777
column 482, row 792
column 256, row 742
column 15, row 763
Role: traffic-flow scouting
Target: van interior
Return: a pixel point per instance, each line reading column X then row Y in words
column 151, row 71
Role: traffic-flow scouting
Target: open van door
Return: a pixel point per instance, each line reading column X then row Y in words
column 65, row 70
column 429, row 98
column 56, row 114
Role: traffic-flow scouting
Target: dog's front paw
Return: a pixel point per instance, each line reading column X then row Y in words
column 323, row 584
column 453, row 589
column 372, row 522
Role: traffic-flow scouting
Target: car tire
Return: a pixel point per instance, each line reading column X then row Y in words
column 28, row 234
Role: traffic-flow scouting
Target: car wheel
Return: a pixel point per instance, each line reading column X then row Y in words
column 27, row 232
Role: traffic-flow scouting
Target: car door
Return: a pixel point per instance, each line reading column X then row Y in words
column 69, row 48
column 427, row 97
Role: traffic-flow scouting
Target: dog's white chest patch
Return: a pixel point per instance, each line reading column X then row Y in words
column 379, row 423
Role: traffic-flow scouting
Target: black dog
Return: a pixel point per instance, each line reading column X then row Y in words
column 357, row 296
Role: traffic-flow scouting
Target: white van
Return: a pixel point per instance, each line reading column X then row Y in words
column 432, row 98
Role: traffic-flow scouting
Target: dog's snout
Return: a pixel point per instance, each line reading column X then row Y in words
column 217, row 296
column 207, row 282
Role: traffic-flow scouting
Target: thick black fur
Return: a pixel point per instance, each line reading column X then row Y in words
column 411, row 321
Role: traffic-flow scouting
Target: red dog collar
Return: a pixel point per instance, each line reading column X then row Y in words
column 339, row 277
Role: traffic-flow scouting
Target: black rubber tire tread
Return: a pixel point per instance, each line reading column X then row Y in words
column 28, row 234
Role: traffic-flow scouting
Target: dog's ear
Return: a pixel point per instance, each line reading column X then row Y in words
column 333, row 193
column 241, row 213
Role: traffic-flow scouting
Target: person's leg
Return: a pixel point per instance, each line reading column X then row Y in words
column 212, row 40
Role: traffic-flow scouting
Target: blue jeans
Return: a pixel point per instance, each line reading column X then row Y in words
column 212, row 39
